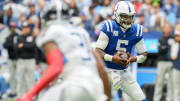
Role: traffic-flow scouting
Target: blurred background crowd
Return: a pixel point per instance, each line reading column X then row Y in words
column 20, row 23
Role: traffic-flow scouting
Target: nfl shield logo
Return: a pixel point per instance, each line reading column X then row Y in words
column 124, row 36
column 115, row 33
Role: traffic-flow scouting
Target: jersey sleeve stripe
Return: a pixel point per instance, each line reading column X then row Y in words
column 110, row 25
column 137, row 30
column 107, row 26
column 141, row 30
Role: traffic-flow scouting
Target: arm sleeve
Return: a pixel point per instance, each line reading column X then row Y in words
column 102, row 41
column 55, row 65
column 140, row 46
column 7, row 44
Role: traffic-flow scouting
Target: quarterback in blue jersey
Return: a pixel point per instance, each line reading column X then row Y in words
column 121, row 34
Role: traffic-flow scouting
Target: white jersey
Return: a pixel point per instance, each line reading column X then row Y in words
column 80, row 68
column 74, row 43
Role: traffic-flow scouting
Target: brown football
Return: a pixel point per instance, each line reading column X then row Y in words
column 123, row 55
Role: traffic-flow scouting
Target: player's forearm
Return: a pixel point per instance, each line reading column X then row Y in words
column 103, row 75
column 103, row 55
column 107, row 87
column 108, row 57
column 100, row 52
column 55, row 62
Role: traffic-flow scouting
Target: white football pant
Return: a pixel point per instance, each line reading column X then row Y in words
column 122, row 79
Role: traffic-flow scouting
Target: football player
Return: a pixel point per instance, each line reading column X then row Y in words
column 121, row 34
column 81, row 73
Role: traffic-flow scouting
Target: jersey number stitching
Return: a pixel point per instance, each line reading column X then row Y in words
column 119, row 48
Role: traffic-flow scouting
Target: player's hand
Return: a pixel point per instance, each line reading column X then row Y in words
column 26, row 97
column 119, row 61
column 130, row 59
column 20, row 45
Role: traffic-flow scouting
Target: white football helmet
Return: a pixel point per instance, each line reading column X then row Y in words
column 124, row 14
column 55, row 12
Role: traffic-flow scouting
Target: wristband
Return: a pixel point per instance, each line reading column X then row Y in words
column 108, row 57
column 141, row 58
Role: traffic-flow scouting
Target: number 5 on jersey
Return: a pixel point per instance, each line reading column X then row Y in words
column 119, row 48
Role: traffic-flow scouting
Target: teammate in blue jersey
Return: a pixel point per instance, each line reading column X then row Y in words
column 121, row 34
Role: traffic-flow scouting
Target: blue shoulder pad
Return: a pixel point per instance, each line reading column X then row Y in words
column 139, row 30
column 107, row 27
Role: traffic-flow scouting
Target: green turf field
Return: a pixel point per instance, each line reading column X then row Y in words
column 8, row 100
column 11, row 100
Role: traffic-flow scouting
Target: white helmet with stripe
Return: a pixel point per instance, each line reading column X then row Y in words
column 124, row 14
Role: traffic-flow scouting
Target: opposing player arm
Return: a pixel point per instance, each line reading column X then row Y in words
column 140, row 47
column 55, row 65
column 103, row 75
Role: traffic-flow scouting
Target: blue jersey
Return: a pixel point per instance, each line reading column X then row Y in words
column 119, row 40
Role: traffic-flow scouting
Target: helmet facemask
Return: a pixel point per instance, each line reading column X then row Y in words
column 51, row 15
column 125, row 20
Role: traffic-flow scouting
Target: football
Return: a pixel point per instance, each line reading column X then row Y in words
column 123, row 55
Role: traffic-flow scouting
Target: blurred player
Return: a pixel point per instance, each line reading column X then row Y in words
column 81, row 73
column 175, row 55
column 121, row 34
